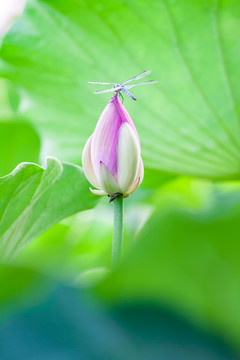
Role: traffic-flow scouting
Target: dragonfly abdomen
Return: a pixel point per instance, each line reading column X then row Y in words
column 128, row 93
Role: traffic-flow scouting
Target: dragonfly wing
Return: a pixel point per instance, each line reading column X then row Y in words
column 101, row 83
column 144, row 83
column 104, row 91
column 139, row 76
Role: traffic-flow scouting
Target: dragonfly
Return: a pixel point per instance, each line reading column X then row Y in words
column 124, row 86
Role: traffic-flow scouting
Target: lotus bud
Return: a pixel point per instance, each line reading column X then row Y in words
column 111, row 158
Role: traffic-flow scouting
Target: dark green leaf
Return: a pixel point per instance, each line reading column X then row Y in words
column 64, row 326
column 189, row 259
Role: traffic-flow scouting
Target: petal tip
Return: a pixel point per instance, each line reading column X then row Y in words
column 98, row 192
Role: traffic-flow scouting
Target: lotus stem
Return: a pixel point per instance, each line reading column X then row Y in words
column 117, row 231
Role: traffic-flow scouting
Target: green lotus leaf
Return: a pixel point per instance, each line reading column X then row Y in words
column 33, row 198
column 188, row 122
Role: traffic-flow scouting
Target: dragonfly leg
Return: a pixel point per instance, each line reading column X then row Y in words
column 121, row 96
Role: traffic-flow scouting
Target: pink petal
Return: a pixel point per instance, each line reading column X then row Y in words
column 138, row 178
column 128, row 157
column 107, row 181
column 98, row 192
column 87, row 164
column 105, row 136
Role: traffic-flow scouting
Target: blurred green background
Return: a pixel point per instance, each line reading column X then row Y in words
column 176, row 294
